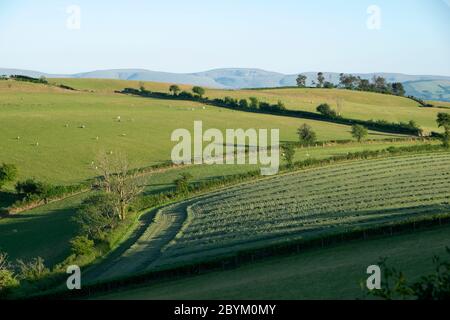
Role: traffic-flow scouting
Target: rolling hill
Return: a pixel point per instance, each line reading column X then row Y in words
column 422, row 86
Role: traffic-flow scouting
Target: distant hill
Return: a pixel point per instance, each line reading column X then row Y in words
column 422, row 86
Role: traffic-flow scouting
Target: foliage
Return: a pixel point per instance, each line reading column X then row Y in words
column 359, row 132
column 306, row 135
column 31, row 187
column 182, row 183
column 198, row 91
column 8, row 280
column 435, row 286
column 8, row 172
column 326, row 110
column 33, row 270
column 82, row 245
column 443, row 120
column 174, row 89
column 289, row 154
column 97, row 215
column 301, row 81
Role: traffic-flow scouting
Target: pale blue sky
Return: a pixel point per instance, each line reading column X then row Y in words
column 288, row 36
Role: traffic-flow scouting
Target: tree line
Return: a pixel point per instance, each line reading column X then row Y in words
column 350, row 82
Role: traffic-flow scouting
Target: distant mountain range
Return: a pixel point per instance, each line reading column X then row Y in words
column 422, row 86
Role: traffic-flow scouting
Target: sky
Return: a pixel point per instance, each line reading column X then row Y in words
column 288, row 36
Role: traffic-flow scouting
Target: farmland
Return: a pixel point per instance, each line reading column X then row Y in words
column 351, row 104
column 54, row 135
column 327, row 273
column 299, row 205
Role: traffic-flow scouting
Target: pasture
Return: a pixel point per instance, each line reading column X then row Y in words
column 54, row 135
column 351, row 104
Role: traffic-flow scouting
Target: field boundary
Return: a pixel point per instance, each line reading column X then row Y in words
column 380, row 126
column 243, row 257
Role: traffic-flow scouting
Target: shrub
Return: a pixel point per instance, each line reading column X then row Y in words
column 306, row 135
column 8, row 280
column 31, row 187
column 97, row 215
column 8, row 172
column 326, row 110
column 33, row 270
column 82, row 245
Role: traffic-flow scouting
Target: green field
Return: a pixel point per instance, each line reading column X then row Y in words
column 330, row 273
column 52, row 118
column 299, row 205
column 54, row 135
column 352, row 104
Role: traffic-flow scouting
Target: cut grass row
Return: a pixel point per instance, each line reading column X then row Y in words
column 314, row 202
column 32, row 233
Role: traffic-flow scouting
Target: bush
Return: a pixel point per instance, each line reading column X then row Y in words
column 8, row 280
column 97, row 215
column 32, row 271
column 82, row 245
column 326, row 110
column 8, row 172
column 31, row 187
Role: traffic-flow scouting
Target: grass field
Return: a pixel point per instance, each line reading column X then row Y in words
column 300, row 205
column 52, row 118
column 353, row 104
column 330, row 273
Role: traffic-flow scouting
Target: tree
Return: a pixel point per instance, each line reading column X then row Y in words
column 347, row 81
column 306, row 135
column 243, row 103
column 81, row 245
column 301, row 80
column 380, row 84
column 328, row 85
column 288, row 154
column 182, row 183
column 198, row 91
column 97, row 215
column 8, row 173
column 254, row 103
column 320, row 79
column 142, row 86
column 359, row 132
column 398, row 89
column 326, row 110
column 174, row 89
column 117, row 178
column 443, row 120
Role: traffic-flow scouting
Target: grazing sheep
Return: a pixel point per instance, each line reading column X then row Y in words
column 82, row 126
column 18, row 138
column 37, row 144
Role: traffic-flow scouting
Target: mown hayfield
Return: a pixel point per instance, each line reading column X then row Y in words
column 329, row 273
column 32, row 232
column 51, row 134
column 300, row 205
